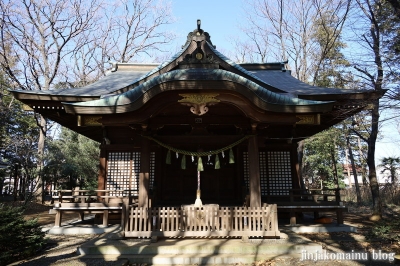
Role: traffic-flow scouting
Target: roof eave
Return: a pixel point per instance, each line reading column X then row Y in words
column 259, row 96
column 32, row 96
column 361, row 95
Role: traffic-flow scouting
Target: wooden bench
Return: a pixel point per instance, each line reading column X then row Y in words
column 81, row 208
column 313, row 200
column 293, row 208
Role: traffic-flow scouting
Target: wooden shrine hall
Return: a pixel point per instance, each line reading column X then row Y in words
column 199, row 130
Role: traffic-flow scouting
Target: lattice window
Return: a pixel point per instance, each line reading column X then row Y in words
column 123, row 170
column 123, row 173
column 279, row 172
column 118, row 172
column 275, row 172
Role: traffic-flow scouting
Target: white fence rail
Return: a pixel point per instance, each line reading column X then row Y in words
column 207, row 221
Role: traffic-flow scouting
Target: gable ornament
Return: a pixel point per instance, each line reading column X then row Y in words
column 199, row 102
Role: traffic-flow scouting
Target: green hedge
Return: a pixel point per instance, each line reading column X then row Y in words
column 19, row 238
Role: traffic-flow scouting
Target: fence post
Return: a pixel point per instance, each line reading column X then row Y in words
column 246, row 222
column 125, row 213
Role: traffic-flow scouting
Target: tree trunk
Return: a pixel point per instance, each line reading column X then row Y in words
column 15, row 190
column 353, row 167
column 348, row 168
column 373, row 181
column 393, row 173
column 1, row 186
column 363, row 169
column 39, row 192
column 20, row 188
column 335, row 174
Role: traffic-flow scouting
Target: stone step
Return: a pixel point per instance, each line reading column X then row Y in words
column 199, row 247
column 191, row 259
column 200, row 251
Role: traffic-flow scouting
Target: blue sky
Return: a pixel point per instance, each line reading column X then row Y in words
column 221, row 21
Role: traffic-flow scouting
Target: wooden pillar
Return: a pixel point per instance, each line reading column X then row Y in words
column 254, row 172
column 101, row 185
column 144, row 175
column 125, row 214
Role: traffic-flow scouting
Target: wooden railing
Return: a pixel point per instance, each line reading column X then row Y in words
column 315, row 195
column 212, row 221
column 91, row 201
column 84, row 196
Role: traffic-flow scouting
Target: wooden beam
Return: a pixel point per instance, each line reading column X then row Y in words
column 202, row 120
column 206, row 140
column 254, row 172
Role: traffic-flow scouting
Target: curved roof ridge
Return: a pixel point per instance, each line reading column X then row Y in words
column 110, row 75
column 166, row 63
column 237, row 66
column 158, row 68
column 266, row 96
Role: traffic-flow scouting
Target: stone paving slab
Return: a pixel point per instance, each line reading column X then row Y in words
column 320, row 228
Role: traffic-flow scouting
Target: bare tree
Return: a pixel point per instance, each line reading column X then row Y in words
column 41, row 35
column 67, row 42
column 371, row 72
column 287, row 30
column 127, row 31
column 249, row 50
column 139, row 28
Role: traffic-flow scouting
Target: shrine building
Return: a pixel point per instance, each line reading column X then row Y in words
column 198, row 126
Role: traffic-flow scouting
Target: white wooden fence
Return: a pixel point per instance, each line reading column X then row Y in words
column 207, row 221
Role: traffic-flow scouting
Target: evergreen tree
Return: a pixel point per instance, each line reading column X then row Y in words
column 391, row 165
column 323, row 152
column 321, row 160
column 19, row 238
column 18, row 138
column 72, row 161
